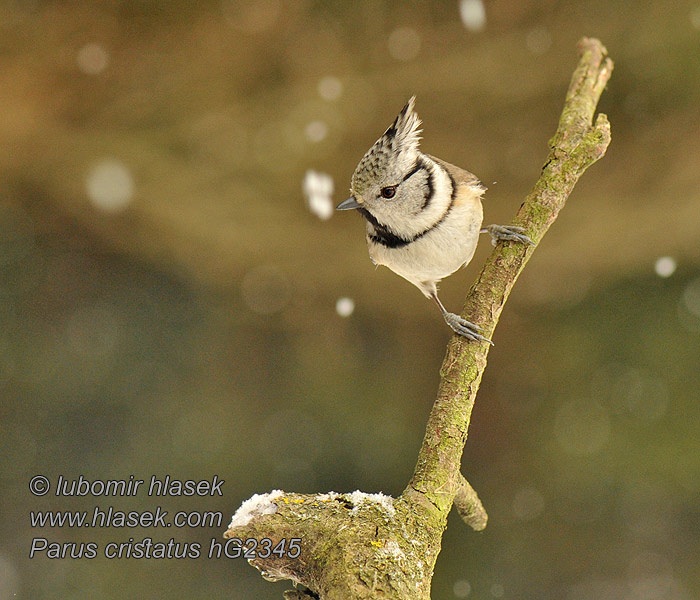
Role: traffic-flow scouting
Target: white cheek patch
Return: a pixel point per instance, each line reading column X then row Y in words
column 444, row 188
column 435, row 205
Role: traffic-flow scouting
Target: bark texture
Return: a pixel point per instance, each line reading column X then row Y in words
column 360, row 546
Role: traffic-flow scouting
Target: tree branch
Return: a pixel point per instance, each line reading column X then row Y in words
column 361, row 546
column 576, row 145
column 469, row 506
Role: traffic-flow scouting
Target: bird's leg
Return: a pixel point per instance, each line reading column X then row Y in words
column 508, row 233
column 460, row 325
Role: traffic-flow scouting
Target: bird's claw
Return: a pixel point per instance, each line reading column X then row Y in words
column 464, row 328
column 509, row 233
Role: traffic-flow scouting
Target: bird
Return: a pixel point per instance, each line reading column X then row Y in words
column 422, row 215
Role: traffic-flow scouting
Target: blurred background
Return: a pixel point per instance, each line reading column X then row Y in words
column 177, row 296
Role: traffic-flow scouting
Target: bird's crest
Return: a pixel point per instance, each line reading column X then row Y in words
column 396, row 149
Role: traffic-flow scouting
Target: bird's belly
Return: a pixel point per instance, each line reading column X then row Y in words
column 432, row 257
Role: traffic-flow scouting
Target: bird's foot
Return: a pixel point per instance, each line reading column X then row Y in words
column 509, row 233
column 464, row 328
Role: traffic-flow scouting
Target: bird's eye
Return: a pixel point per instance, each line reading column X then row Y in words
column 388, row 192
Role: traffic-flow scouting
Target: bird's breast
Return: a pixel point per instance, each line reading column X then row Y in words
column 441, row 250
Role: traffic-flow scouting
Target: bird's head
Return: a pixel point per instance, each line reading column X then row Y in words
column 390, row 177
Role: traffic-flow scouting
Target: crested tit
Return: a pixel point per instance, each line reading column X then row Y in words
column 422, row 215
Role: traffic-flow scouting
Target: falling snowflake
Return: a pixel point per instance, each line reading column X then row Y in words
column 110, row 186
column 473, row 14
column 318, row 189
column 665, row 266
column 345, row 306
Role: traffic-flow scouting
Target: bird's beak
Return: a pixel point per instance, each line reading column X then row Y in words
column 348, row 204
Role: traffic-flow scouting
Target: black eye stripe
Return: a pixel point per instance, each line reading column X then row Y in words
column 430, row 192
column 418, row 166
